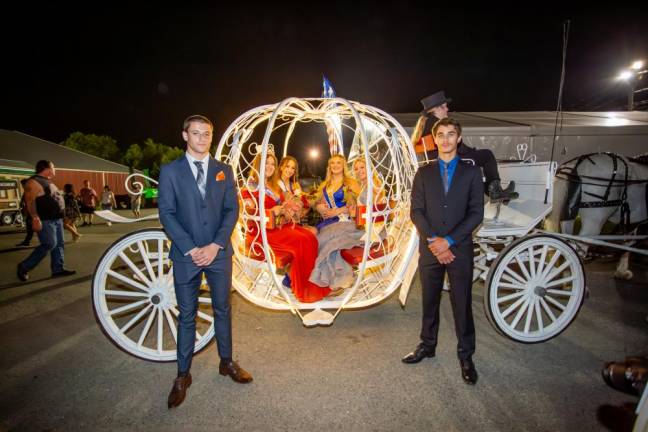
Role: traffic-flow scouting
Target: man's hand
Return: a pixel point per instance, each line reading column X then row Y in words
column 445, row 257
column 438, row 245
column 37, row 226
column 204, row 256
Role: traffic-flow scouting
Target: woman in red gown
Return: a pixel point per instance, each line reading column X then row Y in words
column 286, row 237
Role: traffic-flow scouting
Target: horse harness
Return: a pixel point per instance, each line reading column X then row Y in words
column 571, row 175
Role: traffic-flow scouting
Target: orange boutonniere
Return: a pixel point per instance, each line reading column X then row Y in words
column 220, row 176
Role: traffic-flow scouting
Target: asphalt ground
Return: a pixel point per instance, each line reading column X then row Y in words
column 59, row 372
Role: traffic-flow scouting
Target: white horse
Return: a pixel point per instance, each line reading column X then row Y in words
column 600, row 187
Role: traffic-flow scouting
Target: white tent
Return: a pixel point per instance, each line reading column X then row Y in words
column 577, row 133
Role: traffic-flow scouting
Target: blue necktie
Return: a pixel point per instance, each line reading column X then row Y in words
column 200, row 178
column 444, row 177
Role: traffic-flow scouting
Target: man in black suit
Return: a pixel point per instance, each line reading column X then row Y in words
column 447, row 205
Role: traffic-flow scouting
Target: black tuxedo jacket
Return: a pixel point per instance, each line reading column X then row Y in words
column 456, row 214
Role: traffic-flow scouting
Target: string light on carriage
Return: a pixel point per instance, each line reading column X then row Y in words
column 313, row 153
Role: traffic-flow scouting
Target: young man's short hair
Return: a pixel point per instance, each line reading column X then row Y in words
column 198, row 119
column 42, row 165
column 448, row 121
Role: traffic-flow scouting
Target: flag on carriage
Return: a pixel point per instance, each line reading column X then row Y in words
column 333, row 129
column 327, row 88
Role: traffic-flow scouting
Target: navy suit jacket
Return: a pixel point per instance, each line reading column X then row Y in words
column 456, row 214
column 191, row 221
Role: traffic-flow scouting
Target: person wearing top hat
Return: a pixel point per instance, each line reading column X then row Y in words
column 435, row 107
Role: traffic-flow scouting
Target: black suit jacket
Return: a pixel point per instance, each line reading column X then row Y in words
column 456, row 214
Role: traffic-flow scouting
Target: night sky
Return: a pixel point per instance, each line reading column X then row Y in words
column 137, row 73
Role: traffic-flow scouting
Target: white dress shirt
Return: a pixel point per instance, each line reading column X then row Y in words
column 194, row 170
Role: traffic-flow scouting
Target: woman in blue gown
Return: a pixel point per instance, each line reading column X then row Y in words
column 336, row 203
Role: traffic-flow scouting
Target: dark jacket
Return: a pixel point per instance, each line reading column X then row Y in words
column 188, row 219
column 456, row 214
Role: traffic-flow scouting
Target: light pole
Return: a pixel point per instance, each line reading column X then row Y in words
column 631, row 76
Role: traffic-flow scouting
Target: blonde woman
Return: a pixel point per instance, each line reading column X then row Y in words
column 360, row 173
column 288, row 237
column 336, row 202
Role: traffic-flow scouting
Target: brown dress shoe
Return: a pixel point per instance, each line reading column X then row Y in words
column 236, row 372
column 179, row 391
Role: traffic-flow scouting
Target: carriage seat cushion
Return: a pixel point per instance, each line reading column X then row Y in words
column 282, row 259
column 354, row 255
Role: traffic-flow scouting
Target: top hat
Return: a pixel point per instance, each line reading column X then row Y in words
column 434, row 100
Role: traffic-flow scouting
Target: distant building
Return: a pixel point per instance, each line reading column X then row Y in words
column 19, row 153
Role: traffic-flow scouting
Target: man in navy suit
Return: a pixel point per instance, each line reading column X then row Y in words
column 447, row 206
column 198, row 207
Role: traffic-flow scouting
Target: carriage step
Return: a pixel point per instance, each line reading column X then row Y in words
column 318, row 317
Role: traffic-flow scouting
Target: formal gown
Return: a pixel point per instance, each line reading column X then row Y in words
column 335, row 234
column 292, row 239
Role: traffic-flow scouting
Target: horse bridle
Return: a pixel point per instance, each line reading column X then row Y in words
column 571, row 175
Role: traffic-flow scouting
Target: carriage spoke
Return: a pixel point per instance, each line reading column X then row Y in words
column 206, row 317
column 557, row 271
column 560, row 281
column 146, row 329
column 133, row 267
column 519, row 278
column 561, row 292
column 512, row 307
column 136, row 318
column 530, row 312
column 511, row 286
column 510, row 297
column 508, row 278
column 520, row 313
column 127, row 280
column 549, row 266
column 555, row 303
column 160, row 262
column 522, row 267
column 147, row 261
column 160, row 334
column 543, row 257
column 128, row 307
column 532, row 266
column 539, row 316
column 172, row 325
column 114, row 293
column 547, row 309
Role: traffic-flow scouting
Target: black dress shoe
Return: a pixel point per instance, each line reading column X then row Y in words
column 468, row 371
column 418, row 354
column 236, row 372
column 21, row 273
column 64, row 272
column 179, row 391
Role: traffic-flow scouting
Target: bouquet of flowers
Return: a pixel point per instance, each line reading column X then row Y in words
column 292, row 209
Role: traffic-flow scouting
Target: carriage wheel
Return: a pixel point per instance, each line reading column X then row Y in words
column 134, row 298
column 534, row 289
